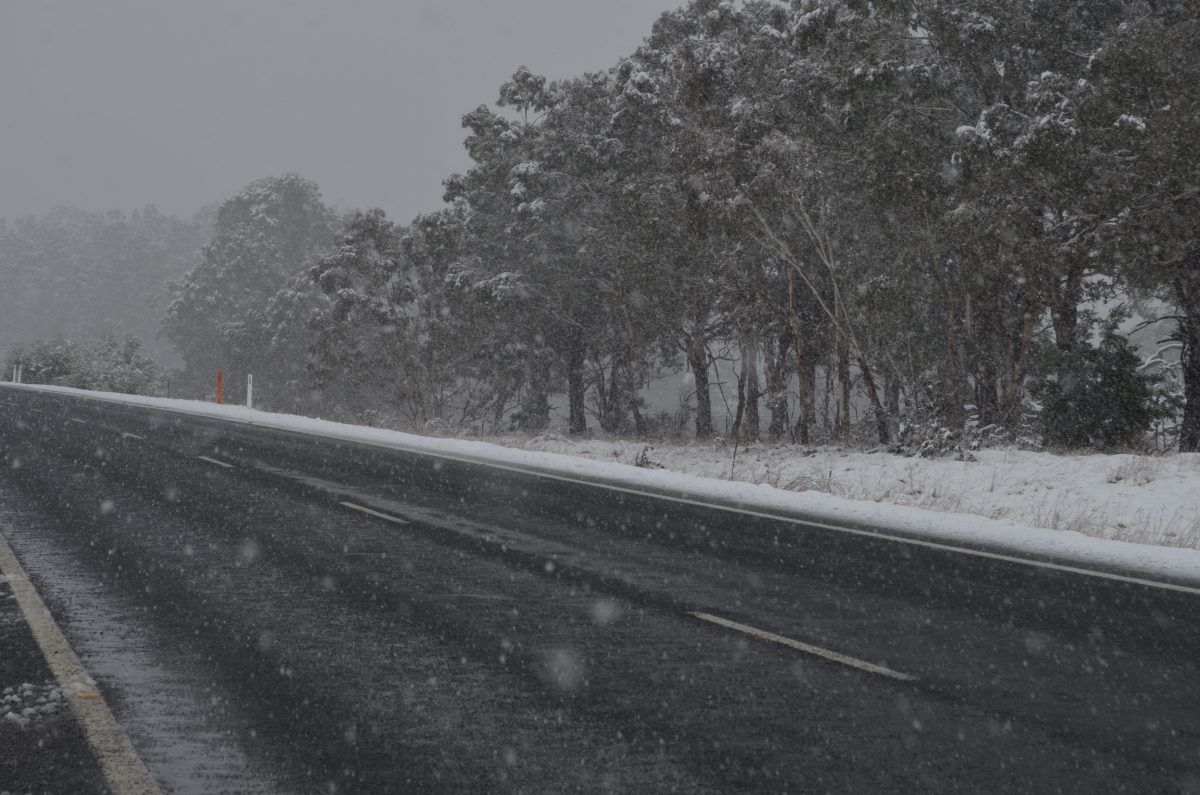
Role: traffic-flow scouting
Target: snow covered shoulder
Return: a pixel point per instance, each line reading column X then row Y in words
column 1136, row 513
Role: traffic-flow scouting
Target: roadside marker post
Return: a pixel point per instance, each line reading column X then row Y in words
column 220, row 385
column 250, row 391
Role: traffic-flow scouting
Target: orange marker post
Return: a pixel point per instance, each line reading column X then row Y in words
column 220, row 385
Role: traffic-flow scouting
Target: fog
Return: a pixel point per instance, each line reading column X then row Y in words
column 131, row 102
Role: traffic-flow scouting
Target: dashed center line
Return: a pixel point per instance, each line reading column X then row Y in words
column 128, row 435
column 807, row 648
column 76, row 419
column 215, row 461
column 370, row 512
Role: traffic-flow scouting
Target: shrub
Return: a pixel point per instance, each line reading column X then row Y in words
column 1098, row 394
column 107, row 366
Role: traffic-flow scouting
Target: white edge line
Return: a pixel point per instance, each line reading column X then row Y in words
column 1166, row 586
column 778, row 517
column 215, row 461
column 807, row 648
column 123, row 769
column 361, row 509
column 804, row 522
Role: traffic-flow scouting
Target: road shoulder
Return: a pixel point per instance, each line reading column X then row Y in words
column 57, row 731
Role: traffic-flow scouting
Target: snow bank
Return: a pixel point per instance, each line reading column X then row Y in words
column 1084, row 504
column 1144, row 499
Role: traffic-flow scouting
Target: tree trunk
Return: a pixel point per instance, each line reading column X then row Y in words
column 806, row 406
column 753, row 389
column 741, row 404
column 1064, row 315
column 576, row 390
column 697, row 354
column 986, row 402
column 1187, row 294
column 1014, row 381
column 639, row 422
column 612, row 412
column 806, row 369
column 534, row 414
column 987, row 381
column 841, row 425
column 777, row 402
column 881, row 415
column 891, row 391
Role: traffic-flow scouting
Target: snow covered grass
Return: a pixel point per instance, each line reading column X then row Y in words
column 1136, row 498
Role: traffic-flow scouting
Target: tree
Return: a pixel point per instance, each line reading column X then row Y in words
column 1150, row 81
column 110, row 365
column 218, row 319
column 1108, row 402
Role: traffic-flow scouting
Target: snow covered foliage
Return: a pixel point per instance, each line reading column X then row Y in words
column 842, row 218
column 110, row 365
column 221, row 315
column 1100, row 395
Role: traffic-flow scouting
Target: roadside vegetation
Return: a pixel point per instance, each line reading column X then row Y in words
column 110, row 365
column 914, row 226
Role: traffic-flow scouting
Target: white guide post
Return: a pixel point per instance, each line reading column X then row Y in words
column 20, row 373
column 250, row 391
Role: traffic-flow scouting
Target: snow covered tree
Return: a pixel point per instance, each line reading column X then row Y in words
column 1149, row 77
column 1108, row 403
column 110, row 365
column 364, row 350
column 218, row 319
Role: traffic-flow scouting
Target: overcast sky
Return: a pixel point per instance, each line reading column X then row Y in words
column 122, row 103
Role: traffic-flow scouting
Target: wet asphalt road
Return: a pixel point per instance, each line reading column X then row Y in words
column 346, row 617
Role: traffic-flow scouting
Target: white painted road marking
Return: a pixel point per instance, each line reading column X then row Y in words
column 128, row 435
column 917, row 542
column 81, row 422
column 124, row 770
column 760, row 634
column 979, row 553
column 215, row 461
column 361, row 509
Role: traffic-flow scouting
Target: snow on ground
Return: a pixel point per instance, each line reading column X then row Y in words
column 21, row 704
column 1137, row 514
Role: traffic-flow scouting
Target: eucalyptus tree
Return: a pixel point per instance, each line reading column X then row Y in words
column 362, row 349
column 492, row 265
column 672, row 100
column 850, row 187
column 1035, row 174
column 1149, row 77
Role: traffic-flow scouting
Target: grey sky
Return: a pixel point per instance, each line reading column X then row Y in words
column 122, row 103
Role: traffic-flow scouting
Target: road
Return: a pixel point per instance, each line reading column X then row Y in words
column 271, row 611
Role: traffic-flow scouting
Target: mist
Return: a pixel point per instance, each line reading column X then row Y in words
column 121, row 104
